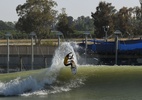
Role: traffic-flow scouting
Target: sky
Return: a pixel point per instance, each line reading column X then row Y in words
column 74, row 8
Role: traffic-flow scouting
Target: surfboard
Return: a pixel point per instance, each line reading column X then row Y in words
column 74, row 68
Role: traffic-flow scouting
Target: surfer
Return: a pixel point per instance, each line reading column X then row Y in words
column 68, row 60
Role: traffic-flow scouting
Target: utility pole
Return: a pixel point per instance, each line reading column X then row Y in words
column 7, row 37
column 59, row 34
column 32, row 34
column 117, row 33
column 106, row 30
column 86, row 34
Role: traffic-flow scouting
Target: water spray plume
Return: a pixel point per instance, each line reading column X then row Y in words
column 38, row 81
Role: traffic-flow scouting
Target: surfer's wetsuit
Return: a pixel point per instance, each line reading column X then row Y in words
column 67, row 58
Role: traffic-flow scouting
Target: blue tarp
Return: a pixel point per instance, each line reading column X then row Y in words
column 104, row 47
column 130, row 46
column 109, row 47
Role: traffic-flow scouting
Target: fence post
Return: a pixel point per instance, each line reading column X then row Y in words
column 45, row 62
column 21, row 63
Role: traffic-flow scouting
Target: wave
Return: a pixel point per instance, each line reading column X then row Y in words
column 118, row 78
column 45, row 81
column 58, row 78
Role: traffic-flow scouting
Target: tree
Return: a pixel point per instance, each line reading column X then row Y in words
column 123, row 21
column 65, row 24
column 84, row 23
column 6, row 25
column 103, row 17
column 137, row 20
column 37, row 16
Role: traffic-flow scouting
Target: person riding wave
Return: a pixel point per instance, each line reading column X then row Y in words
column 68, row 60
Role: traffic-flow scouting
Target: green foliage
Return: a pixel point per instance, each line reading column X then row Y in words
column 122, row 20
column 127, row 20
column 64, row 24
column 37, row 16
column 103, row 17
column 15, row 34
column 84, row 24
column 69, row 27
column 137, row 21
column 6, row 25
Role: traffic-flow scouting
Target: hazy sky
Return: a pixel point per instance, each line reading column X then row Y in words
column 74, row 8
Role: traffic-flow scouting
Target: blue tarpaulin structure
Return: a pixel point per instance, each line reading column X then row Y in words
column 100, row 46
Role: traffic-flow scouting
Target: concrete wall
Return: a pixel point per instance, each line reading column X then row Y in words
column 20, row 56
column 24, row 61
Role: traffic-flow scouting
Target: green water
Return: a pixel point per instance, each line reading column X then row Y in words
column 92, row 83
column 107, row 83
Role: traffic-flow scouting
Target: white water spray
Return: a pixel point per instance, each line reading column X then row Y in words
column 47, row 76
column 61, row 52
column 50, row 74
